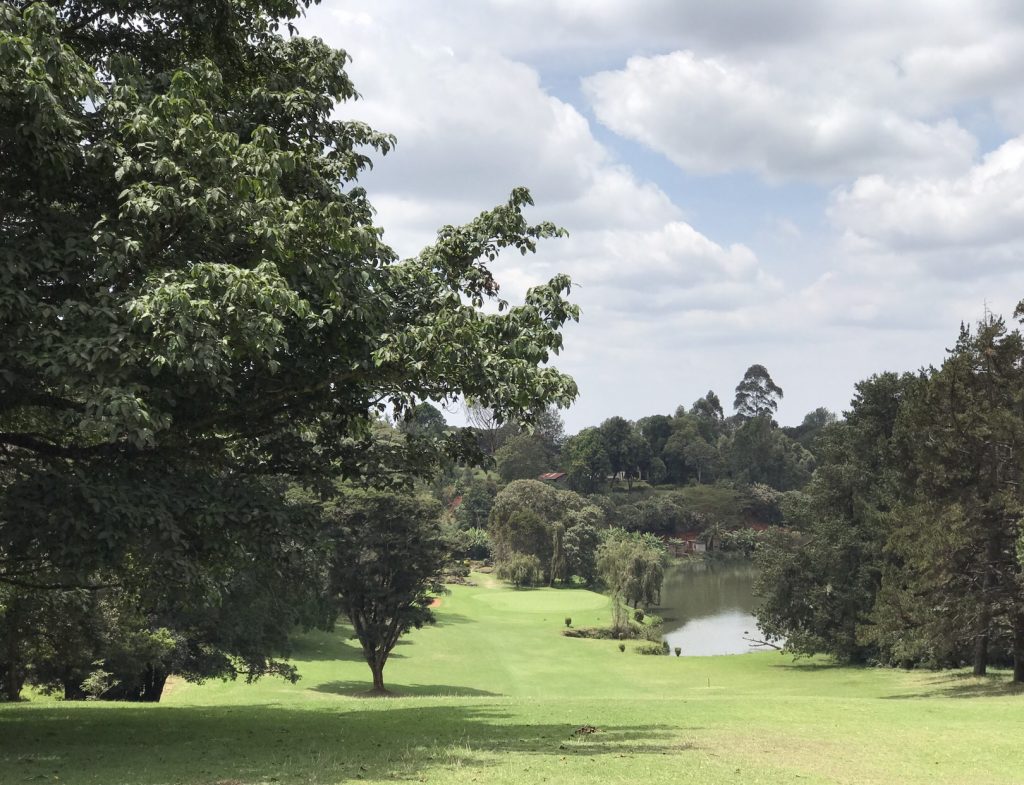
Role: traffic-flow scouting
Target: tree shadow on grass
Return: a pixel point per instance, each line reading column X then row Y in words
column 965, row 685
column 813, row 666
column 444, row 618
column 360, row 689
column 386, row 740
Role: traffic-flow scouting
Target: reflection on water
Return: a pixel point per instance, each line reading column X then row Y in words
column 708, row 607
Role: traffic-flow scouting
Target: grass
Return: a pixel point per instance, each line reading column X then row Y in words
column 494, row 694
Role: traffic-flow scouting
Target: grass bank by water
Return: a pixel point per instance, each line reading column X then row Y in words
column 494, row 694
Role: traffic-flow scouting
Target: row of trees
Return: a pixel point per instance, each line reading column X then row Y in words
column 700, row 444
column 912, row 550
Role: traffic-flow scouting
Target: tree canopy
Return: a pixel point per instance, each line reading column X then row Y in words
column 757, row 395
column 198, row 312
column 192, row 282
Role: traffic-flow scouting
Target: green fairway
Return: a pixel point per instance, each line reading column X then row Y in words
column 494, row 694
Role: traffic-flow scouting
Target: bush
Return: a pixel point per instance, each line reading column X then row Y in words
column 638, row 615
column 622, row 647
column 568, row 621
column 469, row 543
column 678, row 650
column 651, row 648
column 520, row 570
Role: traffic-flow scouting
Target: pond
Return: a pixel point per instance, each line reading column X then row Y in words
column 708, row 607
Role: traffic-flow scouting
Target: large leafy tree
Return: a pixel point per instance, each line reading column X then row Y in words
column 192, row 285
column 195, row 301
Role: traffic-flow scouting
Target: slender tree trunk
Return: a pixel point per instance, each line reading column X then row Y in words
column 981, row 653
column 12, row 682
column 985, row 616
column 1018, row 647
column 13, row 678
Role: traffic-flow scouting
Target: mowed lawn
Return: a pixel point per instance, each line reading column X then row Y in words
column 495, row 694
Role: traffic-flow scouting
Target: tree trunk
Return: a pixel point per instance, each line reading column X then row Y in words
column 981, row 653
column 377, row 669
column 13, row 676
column 73, row 691
column 153, row 682
column 1018, row 647
column 985, row 615
column 13, row 680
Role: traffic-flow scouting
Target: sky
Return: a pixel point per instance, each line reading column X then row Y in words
column 824, row 188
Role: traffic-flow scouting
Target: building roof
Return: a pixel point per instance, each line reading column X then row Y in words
column 552, row 476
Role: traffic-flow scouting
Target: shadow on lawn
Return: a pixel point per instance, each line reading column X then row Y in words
column 360, row 689
column 965, row 685
column 146, row 745
column 339, row 644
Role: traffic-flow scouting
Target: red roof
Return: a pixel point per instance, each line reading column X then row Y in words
column 552, row 476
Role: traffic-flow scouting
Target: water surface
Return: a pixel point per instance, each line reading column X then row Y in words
column 708, row 607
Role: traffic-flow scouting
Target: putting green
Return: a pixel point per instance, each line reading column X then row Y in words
column 535, row 601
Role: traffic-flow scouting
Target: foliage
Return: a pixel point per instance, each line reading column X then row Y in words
column 423, row 419
column 520, row 569
column 632, row 567
column 195, row 302
column 586, row 462
column 555, row 525
column 758, row 452
column 757, row 395
column 954, row 577
column 477, row 494
column 522, row 457
column 388, row 556
column 819, row 588
column 468, row 543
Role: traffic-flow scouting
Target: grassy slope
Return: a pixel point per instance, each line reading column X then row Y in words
column 493, row 694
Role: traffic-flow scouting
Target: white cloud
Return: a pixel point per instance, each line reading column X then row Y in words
column 981, row 209
column 684, row 282
column 710, row 116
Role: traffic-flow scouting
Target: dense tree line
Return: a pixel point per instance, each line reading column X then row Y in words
column 912, row 550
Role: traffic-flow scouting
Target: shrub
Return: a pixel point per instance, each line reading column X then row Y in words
column 638, row 614
column 469, row 543
column 520, row 570
column 622, row 647
column 679, row 650
column 568, row 621
column 651, row 648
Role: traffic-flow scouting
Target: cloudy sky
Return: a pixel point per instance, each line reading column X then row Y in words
column 825, row 188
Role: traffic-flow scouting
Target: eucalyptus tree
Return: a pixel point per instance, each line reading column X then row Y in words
column 757, row 395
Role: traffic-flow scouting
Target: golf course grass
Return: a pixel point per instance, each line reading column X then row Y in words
column 495, row 694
